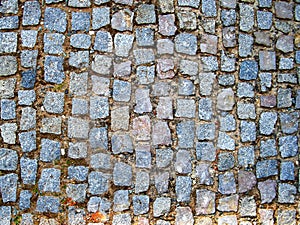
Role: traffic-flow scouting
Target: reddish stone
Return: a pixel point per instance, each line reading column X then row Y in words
column 165, row 68
column 166, row 25
column 268, row 101
column 141, row 128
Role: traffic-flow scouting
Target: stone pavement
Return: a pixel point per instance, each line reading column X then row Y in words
column 149, row 112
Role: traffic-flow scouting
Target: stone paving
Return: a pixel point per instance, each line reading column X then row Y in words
column 149, row 112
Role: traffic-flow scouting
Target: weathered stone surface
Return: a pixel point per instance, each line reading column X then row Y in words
column 225, row 100
column 246, row 181
column 184, row 215
column 205, row 202
column 267, row 190
column 228, row 204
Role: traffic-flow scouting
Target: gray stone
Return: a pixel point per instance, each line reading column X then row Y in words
column 286, row 63
column 143, row 159
column 187, row 20
column 247, row 206
column 29, row 169
column 227, row 62
column 297, row 12
column 227, row 183
column 209, row 8
column 265, row 3
column 186, row 43
column 262, row 38
column 28, row 38
column 229, row 37
column 225, row 99
column 99, row 107
column 9, row 23
column 226, row 161
column 246, row 17
column 206, row 131
column 143, row 56
column 287, row 171
column 80, row 41
column 205, row 202
column 29, row 58
column 161, row 206
column 208, row 43
column 267, row 122
column 183, row 163
column 228, row 204
column 98, row 138
column 186, row 87
column 248, row 70
column 24, row 202
column 48, row 204
column 123, row 69
column 101, row 17
column 164, row 108
column 284, row 98
column 9, row 159
column 78, row 128
column 100, row 161
column 287, row 78
column 285, row 43
column 268, row 148
column 79, row 3
column 205, row 151
column 140, row 204
column 145, row 14
column 8, row 109
column 185, row 134
column 246, row 111
column 122, row 20
column 283, row 26
column 267, row 60
column 288, row 146
column 79, row 106
column 265, row 81
column 227, row 123
column 54, row 102
column 99, row 2
column 284, row 10
column 8, row 43
column 266, row 168
column 161, row 89
column 124, row 2
column 144, row 36
column 245, row 45
column 27, row 141
column 228, row 3
column 204, row 173
column 9, row 7
column 185, row 108
column 188, row 67
column 286, row 193
column 191, row 3
column 80, row 21
column 100, row 85
column 79, row 59
column 76, row 216
column 297, row 105
column 120, row 118
column 78, row 83
column 267, row 190
column 206, row 81
column 121, row 91
column 98, row 183
column 225, row 142
column 51, row 125
column 145, row 74
column 28, row 78
column 228, row 17
column 165, row 46
column 245, row 90
column 248, row 131
column 121, row 143
column 289, row 122
column 8, row 187
column 55, row 19
column 121, row 201
column 27, row 219
column 184, row 215
column 78, row 173
column 205, row 109
column 246, row 181
column 8, row 132
column 76, row 192
column 53, row 43
column 183, row 188
column 50, row 180
column 54, row 71
column 161, row 182
column 7, row 88
column 103, row 42
column 28, row 118
column 142, row 100
column 8, row 65
column 31, row 13
column 286, row 217
column 122, row 174
column 97, row 204
column 142, row 182
column 264, row 20
column 122, row 219
column 164, row 157
column 123, row 44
